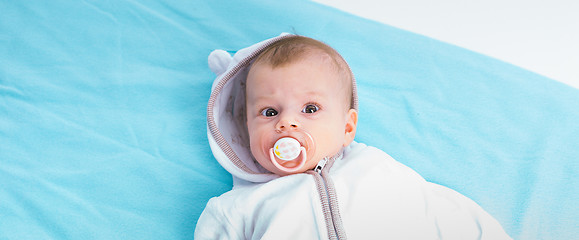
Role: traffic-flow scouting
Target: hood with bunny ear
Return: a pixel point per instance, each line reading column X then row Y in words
column 226, row 120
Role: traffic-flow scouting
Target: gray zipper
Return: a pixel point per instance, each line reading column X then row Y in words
column 321, row 165
column 328, row 199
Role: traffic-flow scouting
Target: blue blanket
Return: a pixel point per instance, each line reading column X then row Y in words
column 103, row 132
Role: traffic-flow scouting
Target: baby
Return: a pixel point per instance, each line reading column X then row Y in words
column 302, row 89
column 302, row 175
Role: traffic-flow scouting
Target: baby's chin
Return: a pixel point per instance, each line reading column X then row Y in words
column 280, row 172
column 268, row 165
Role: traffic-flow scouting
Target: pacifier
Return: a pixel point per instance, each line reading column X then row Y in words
column 288, row 149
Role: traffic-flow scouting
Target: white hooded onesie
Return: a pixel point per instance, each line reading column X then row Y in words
column 361, row 194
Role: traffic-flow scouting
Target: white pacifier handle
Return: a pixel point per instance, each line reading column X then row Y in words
column 287, row 149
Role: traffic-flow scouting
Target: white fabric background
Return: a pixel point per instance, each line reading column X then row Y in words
column 540, row 36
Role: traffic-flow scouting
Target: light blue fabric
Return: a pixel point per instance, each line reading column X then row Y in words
column 102, row 116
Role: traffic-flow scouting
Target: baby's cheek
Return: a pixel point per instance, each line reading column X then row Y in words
column 332, row 139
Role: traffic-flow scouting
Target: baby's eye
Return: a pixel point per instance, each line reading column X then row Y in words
column 310, row 108
column 269, row 112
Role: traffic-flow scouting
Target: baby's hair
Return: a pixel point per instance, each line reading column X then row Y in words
column 295, row 48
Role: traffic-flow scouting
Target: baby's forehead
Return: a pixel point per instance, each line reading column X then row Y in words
column 337, row 82
column 319, row 54
column 315, row 58
column 320, row 62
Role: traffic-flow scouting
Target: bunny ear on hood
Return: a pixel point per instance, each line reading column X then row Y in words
column 226, row 113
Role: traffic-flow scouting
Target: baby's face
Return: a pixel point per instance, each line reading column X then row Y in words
column 305, row 100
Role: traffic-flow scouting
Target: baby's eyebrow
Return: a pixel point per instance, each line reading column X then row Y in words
column 257, row 100
column 258, row 103
column 315, row 95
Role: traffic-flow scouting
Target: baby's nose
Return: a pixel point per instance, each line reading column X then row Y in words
column 287, row 124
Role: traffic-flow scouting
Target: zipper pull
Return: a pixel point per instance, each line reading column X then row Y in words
column 321, row 165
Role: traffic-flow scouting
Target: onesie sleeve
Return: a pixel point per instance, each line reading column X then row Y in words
column 458, row 217
column 214, row 224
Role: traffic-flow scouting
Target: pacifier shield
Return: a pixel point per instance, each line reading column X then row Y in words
column 287, row 148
